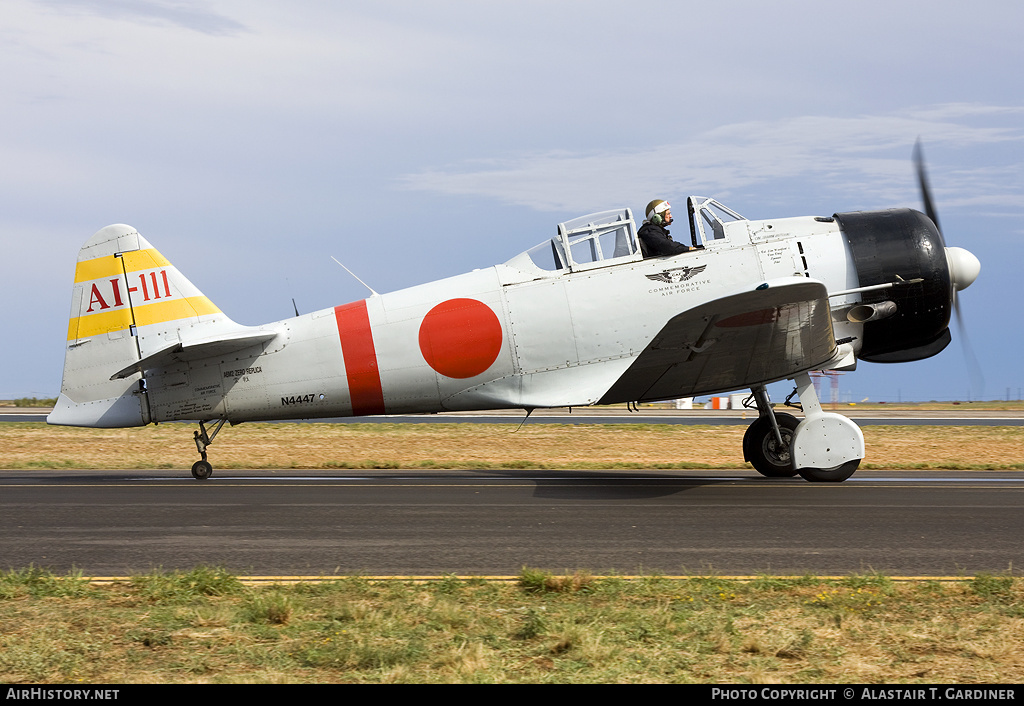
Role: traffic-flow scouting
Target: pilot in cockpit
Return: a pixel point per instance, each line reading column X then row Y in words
column 655, row 240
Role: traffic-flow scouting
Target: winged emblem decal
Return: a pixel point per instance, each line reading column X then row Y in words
column 676, row 274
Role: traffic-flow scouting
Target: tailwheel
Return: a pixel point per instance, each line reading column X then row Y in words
column 762, row 449
column 836, row 474
column 201, row 470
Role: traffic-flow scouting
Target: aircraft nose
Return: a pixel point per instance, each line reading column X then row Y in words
column 963, row 267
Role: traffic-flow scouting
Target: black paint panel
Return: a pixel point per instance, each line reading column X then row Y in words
column 887, row 245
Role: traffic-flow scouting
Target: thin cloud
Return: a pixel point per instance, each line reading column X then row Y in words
column 188, row 15
column 866, row 155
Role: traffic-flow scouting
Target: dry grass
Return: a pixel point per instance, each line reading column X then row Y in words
column 551, row 446
column 201, row 627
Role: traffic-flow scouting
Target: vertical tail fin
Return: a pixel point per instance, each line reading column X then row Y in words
column 128, row 301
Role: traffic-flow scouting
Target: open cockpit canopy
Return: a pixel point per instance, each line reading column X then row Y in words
column 595, row 240
column 708, row 218
column 610, row 237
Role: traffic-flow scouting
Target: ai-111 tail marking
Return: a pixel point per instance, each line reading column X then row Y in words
column 578, row 320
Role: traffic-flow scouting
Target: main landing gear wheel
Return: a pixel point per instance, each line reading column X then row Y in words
column 201, row 470
column 762, row 449
column 836, row 474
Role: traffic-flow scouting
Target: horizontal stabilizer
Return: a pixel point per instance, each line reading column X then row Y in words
column 192, row 350
column 129, row 302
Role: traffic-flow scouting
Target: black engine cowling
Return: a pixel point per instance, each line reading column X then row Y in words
column 889, row 245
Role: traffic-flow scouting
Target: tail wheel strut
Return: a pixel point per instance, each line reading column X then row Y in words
column 201, row 470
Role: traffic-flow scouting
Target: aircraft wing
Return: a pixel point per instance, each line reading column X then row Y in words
column 192, row 350
column 739, row 341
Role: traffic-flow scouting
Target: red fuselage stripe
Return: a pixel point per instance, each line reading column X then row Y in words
column 360, row 358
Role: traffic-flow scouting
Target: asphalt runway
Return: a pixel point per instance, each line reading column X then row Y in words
column 925, row 523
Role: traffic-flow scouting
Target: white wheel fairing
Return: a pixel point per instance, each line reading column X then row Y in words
column 826, row 440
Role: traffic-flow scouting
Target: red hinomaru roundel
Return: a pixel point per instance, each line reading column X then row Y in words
column 460, row 338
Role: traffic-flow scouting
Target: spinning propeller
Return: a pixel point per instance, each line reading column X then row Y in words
column 964, row 268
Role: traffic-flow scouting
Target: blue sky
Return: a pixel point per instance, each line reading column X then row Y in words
column 251, row 141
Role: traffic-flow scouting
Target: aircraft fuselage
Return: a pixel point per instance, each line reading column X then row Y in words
column 509, row 336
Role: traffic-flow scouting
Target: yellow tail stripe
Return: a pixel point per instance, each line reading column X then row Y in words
column 110, row 266
column 158, row 312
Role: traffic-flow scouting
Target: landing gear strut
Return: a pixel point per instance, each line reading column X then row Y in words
column 767, row 442
column 828, row 447
column 201, row 470
column 823, row 448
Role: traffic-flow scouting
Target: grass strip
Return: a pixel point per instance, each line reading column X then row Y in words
column 479, row 446
column 207, row 626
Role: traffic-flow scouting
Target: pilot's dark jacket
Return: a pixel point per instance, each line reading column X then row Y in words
column 655, row 241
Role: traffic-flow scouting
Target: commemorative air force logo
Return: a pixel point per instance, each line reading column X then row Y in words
column 676, row 274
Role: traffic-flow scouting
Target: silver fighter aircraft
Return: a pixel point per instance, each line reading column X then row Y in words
column 580, row 319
